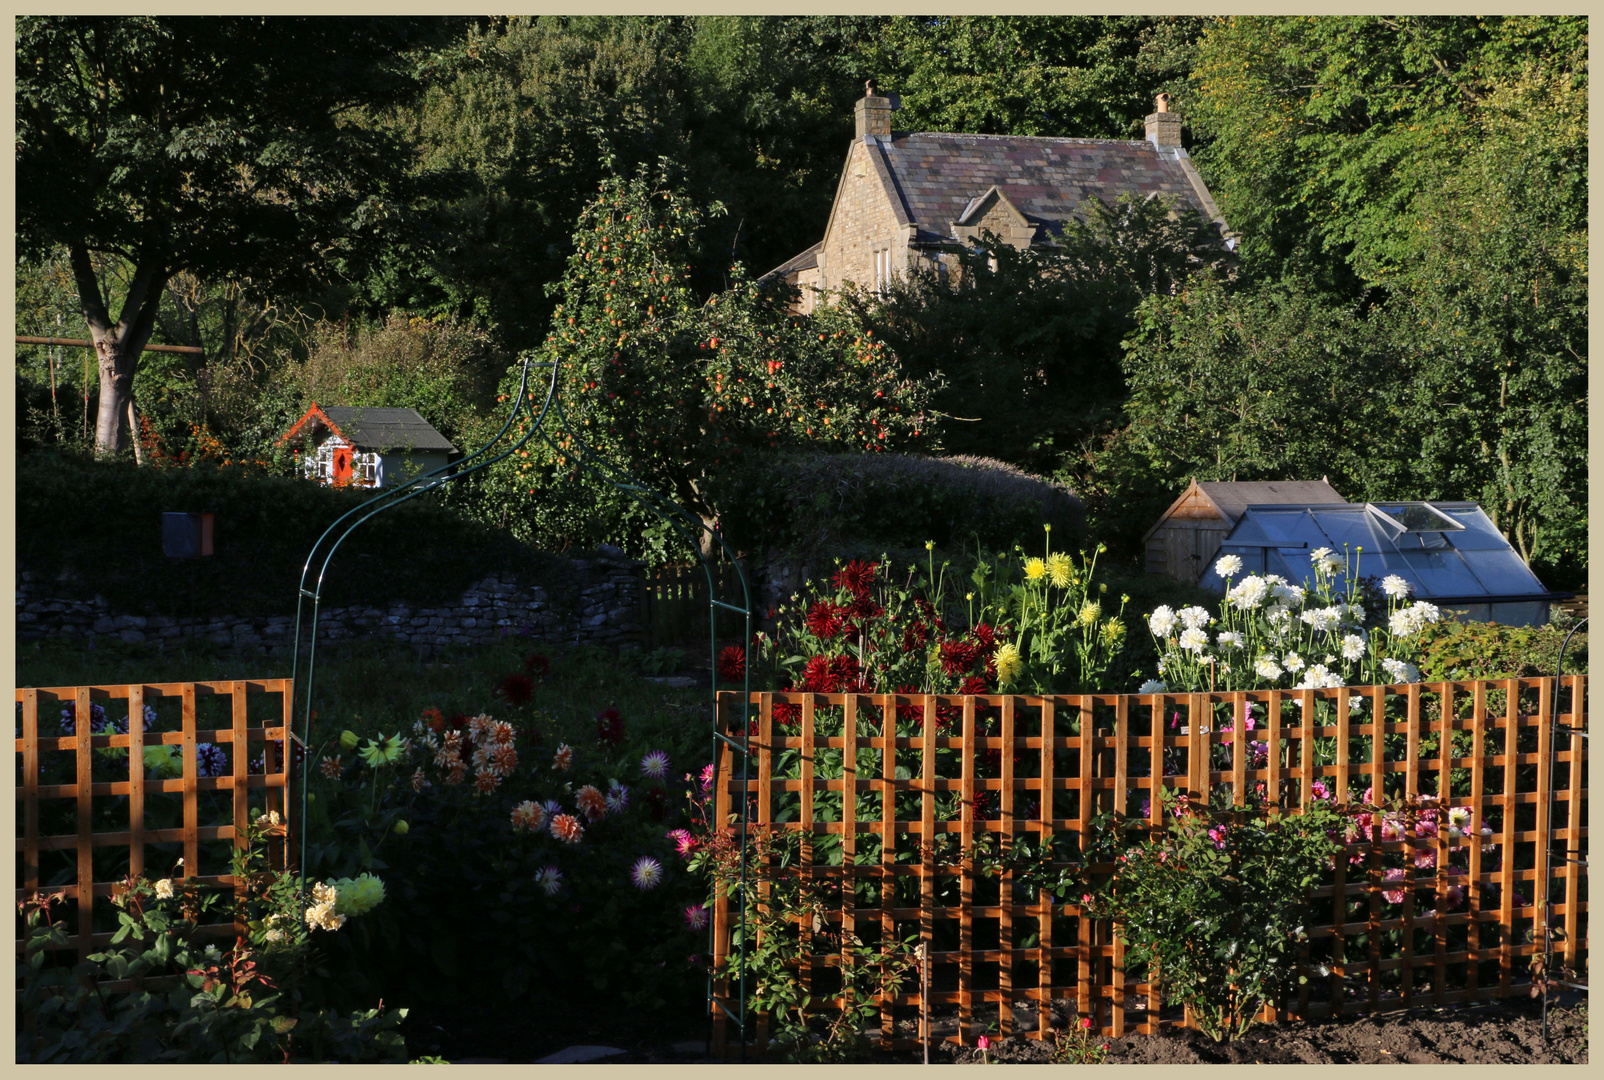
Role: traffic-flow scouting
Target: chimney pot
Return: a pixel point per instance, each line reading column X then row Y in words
column 1163, row 126
column 873, row 112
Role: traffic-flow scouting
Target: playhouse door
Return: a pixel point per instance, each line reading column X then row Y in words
column 342, row 466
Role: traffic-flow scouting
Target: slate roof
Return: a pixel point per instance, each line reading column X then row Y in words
column 386, row 429
column 937, row 175
column 807, row 260
column 371, row 428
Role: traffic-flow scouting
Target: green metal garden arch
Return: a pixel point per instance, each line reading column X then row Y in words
column 687, row 525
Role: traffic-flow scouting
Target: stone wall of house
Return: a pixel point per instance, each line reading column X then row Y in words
column 594, row 600
column 863, row 222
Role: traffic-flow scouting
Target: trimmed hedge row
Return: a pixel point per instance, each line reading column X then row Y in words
column 810, row 507
column 96, row 526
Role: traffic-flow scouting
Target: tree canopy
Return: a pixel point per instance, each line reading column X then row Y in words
column 1406, row 311
column 223, row 146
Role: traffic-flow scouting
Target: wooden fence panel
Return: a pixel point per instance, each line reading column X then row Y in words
column 210, row 808
column 1036, row 767
column 674, row 604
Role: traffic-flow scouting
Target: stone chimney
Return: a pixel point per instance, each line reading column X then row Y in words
column 1163, row 126
column 873, row 112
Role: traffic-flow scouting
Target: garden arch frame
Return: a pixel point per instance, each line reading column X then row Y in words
column 689, row 526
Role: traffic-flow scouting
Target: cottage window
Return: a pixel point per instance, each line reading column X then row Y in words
column 882, row 271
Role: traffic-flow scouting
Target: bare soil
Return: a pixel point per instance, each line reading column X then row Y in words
column 1492, row 1033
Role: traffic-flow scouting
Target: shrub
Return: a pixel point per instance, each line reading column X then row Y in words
column 192, row 1002
column 527, row 855
column 1478, row 650
column 1218, row 903
column 810, row 507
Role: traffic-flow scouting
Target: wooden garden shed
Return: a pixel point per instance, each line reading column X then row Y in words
column 1183, row 542
column 367, row 446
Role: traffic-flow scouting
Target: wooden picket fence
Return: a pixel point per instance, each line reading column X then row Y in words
column 77, row 838
column 992, row 949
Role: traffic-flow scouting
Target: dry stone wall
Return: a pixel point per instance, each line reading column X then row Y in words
column 592, row 600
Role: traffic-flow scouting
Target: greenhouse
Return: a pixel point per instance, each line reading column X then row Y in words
column 1449, row 552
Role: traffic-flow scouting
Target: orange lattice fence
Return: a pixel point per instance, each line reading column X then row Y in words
column 167, row 772
column 952, row 770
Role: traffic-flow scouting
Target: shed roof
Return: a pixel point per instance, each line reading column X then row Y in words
column 1449, row 552
column 373, row 428
column 1231, row 497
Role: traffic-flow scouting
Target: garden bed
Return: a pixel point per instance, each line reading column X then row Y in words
column 1507, row 1032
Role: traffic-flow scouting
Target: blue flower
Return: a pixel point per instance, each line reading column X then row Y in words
column 210, row 760
column 97, row 719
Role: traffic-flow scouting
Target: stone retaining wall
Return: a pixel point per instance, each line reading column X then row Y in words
column 595, row 600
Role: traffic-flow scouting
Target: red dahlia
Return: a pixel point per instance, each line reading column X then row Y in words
column 985, row 635
column 824, row 620
column 517, row 689
column 537, row 664
column 958, row 657
column 610, row 727
column 855, row 577
column 910, row 712
column 863, row 607
column 732, row 663
column 975, row 684
column 816, row 675
column 915, row 636
column 846, row 677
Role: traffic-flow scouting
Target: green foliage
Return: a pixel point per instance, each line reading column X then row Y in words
column 100, row 522
column 190, row 1003
column 1262, row 383
column 1066, row 307
column 1454, row 650
column 807, row 507
column 441, row 367
column 1322, row 131
column 1083, row 76
column 785, row 920
column 1217, row 905
column 671, row 390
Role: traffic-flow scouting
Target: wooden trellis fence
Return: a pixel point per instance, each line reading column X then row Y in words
column 1029, row 766
column 87, row 814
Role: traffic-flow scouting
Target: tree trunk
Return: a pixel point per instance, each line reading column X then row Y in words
column 116, row 389
column 117, row 345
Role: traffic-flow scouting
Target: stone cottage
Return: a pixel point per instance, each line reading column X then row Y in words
column 906, row 198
